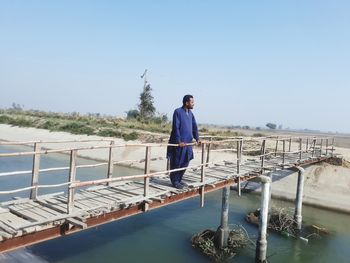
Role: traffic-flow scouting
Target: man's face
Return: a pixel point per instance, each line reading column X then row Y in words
column 190, row 104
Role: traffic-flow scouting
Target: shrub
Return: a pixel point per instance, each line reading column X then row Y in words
column 258, row 134
column 21, row 121
column 77, row 128
column 50, row 125
column 130, row 136
column 5, row 119
column 110, row 133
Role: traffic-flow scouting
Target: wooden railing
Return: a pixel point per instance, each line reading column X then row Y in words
column 242, row 147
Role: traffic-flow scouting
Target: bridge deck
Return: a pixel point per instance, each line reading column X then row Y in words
column 28, row 221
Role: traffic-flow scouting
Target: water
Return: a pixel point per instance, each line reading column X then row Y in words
column 163, row 235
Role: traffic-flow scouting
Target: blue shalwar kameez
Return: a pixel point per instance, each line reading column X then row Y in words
column 184, row 129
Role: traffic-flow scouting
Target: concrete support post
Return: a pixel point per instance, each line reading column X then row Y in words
column 299, row 198
column 261, row 243
column 223, row 231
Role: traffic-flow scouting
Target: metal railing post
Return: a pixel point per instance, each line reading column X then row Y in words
column 276, row 147
column 35, row 171
column 290, row 144
column 313, row 148
column 146, row 179
column 202, row 176
column 72, row 175
column 110, row 162
column 208, row 151
column 284, row 153
column 239, row 157
column 300, row 148
column 263, row 151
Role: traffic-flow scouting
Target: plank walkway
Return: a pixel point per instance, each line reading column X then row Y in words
column 28, row 221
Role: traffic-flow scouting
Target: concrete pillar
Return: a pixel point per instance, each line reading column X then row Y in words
column 261, row 243
column 299, row 198
column 223, row 231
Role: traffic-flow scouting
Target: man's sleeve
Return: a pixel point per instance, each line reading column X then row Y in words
column 195, row 128
column 176, row 126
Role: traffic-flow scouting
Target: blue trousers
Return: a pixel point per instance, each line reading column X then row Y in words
column 176, row 177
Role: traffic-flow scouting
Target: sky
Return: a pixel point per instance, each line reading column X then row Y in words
column 245, row 62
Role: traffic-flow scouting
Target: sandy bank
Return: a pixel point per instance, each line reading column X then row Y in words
column 326, row 186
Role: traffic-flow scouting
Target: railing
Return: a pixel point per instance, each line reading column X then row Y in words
column 239, row 146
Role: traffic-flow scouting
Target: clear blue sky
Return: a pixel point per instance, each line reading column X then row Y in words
column 246, row 62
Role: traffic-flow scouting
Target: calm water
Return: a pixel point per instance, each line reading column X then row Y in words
column 164, row 235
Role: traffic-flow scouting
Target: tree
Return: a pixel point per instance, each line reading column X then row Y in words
column 17, row 106
column 272, row 126
column 146, row 107
column 132, row 114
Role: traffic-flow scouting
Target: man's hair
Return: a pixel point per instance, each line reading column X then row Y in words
column 186, row 99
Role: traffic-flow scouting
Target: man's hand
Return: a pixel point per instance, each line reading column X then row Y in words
column 199, row 142
column 182, row 144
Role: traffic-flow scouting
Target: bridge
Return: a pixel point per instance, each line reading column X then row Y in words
column 29, row 220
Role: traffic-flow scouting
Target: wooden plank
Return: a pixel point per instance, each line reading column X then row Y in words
column 25, row 213
column 98, row 197
column 83, row 200
column 23, row 200
column 152, row 185
column 77, row 205
column 7, row 229
column 12, row 221
column 42, row 210
column 108, row 193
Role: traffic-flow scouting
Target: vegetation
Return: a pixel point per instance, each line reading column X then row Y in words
column 258, row 134
column 89, row 124
column 206, row 242
column 146, row 107
column 271, row 126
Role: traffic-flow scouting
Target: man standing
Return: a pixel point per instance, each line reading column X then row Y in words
column 184, row 130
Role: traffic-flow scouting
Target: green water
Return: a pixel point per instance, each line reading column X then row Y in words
column 163, row 235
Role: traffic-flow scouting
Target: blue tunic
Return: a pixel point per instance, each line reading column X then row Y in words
column 184, row 129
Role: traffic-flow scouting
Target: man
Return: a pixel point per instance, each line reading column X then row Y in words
column 184, row 130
